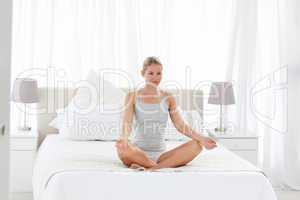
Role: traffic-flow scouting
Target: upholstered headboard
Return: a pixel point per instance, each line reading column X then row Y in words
column 54, row 98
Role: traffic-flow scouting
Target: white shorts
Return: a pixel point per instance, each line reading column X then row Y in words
column 154, row 155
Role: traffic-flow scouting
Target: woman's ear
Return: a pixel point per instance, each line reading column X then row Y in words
column 142, row 72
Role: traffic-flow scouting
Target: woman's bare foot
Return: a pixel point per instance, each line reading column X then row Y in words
column 153, row 169
column 137, row 167
column 134, row 166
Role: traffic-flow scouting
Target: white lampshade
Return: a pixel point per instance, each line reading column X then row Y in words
column 221, row 93
column 25, row 90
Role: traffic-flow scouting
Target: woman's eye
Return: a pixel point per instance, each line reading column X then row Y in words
column 151, row 73
column 158, row 73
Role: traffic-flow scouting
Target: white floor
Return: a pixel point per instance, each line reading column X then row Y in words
column 282, row 195
column 21, row 196
column 288, row 195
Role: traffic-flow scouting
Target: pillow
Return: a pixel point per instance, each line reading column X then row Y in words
column 95, row 90
column 109, row 94
column 57, row 121
column 85, row 107
column 103, row 123
column 87, row 90
column 191, row 118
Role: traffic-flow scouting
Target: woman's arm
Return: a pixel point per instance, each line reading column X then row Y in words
column 127, row 116
column 122, row 142
column 185, row 129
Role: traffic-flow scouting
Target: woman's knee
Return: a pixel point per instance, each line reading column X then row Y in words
column 126, row 161
column 126, row 152
column 125, row 156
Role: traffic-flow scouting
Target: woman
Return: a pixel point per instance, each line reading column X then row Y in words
column 152, row 107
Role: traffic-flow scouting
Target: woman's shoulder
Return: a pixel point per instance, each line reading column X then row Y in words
column 168, row 96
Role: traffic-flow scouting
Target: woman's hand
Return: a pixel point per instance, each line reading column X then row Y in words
column 208, row 143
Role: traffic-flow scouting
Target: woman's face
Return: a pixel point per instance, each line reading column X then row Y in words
column 153, row 74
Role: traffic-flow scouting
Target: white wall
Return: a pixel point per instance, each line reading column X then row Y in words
column 5, row 55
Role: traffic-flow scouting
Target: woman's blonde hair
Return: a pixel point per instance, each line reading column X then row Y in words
column 150, row 61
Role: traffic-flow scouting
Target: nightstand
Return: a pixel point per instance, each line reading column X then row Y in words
column 246, row 146
column 23, row 147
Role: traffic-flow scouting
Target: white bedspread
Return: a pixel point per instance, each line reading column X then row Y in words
column 71, row 170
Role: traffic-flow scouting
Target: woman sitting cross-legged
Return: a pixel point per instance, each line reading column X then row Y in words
column 151, row 107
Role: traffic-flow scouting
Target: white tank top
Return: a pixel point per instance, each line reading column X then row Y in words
column 151, row 121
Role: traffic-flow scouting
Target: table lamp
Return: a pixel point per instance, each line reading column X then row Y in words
column 25, row 91
column 221, row 93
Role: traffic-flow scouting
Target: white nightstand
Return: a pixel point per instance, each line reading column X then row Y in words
column 23, row 147
column 246, row 146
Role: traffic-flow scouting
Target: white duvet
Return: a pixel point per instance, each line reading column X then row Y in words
column 71, row 170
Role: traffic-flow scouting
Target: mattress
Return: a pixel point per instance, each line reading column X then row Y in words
column 71, row 170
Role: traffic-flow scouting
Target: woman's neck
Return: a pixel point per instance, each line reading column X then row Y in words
column 151, row 88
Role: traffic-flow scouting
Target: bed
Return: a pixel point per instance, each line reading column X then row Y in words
column 90, row 170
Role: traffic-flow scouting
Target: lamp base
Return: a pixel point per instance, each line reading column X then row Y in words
column 222, row 130
column 24, row 128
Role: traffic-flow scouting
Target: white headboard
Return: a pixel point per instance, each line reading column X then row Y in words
column 54, row 98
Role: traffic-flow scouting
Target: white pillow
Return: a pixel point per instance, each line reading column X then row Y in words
column 95, row 90
column 103, row 123
column 91, row 95
column 58, row 120
column 109, row 94
column 191, row 118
